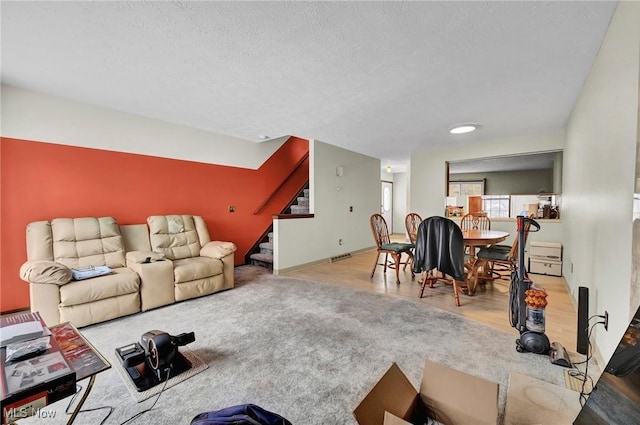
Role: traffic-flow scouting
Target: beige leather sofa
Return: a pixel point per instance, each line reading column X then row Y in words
column 181, row 263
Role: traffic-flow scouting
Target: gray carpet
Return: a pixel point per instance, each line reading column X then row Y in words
column 309, row 351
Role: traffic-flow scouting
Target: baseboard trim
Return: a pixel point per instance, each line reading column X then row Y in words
column 282, row 272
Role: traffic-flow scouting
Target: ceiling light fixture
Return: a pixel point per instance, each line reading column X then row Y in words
column 388, row 168
column 263, row 137
column 466, row 127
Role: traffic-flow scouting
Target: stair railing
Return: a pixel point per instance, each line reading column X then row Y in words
column 277, row 189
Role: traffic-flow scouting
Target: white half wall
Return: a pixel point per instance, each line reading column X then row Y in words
column 599, row 175
column 303, row 241
column 39, row 117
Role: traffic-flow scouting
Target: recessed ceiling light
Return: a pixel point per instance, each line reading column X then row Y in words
column 466, row 127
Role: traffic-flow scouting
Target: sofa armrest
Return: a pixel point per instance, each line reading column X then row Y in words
column 140, row 257
column 43, row 271
column 218, row 249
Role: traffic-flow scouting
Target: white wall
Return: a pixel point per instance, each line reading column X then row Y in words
column 427, row 175
column 599, row 172
column 35, row 116
column 385, row 175
column 302, row 241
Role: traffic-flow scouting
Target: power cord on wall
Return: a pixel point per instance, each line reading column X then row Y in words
column 584, row 376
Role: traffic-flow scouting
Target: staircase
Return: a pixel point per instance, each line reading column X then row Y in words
column 302, row 204
column 264, row 258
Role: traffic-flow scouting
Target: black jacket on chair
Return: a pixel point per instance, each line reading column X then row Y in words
column 440, row 245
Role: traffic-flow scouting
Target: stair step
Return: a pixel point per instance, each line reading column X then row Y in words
column 270, row 235
column 266, row 248
column 263, row 258
column 297, row 209
column 306, row 193
column 303, row 201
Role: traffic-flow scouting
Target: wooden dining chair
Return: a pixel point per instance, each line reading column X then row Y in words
column 439, row 254
column 475, row 221
column 498, row 259
column 384, row 245
column 411, row 223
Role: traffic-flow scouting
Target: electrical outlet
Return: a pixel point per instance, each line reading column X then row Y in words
column 606, row 320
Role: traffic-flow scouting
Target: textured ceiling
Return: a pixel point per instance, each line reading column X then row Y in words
column 380, row 78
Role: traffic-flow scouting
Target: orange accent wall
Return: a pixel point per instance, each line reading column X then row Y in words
column 42, row 181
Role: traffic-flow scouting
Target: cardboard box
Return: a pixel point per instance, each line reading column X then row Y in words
column 453, row 398
column 531, row 401
column 548, row 267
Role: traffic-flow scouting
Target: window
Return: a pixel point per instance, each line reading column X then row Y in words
column 496, row 205
column 466, row 188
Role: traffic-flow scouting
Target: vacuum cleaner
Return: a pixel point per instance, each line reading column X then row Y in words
column 526, row 306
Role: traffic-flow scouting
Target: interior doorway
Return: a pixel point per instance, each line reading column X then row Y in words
column 386, row 203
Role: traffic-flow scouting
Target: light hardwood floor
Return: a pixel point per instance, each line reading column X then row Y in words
column 490, row 304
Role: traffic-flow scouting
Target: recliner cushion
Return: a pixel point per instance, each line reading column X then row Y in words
column 188, row 269
column 87, row 241
column 121, row 282
column 175, row 236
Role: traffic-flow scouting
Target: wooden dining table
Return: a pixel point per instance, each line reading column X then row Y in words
column 472, row 239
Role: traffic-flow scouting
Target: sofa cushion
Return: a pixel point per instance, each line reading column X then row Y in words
column 121, row 282
column 45, row 272
column 189, row 269
column 88, row 241
column 175, row 236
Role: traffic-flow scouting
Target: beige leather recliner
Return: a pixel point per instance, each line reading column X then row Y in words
column 200, row 266
column 57, row 246
column 181, row 263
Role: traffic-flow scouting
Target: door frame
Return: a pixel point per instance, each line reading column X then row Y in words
column 388, row 216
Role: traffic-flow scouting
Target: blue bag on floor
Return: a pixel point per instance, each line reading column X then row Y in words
column 243, row 414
